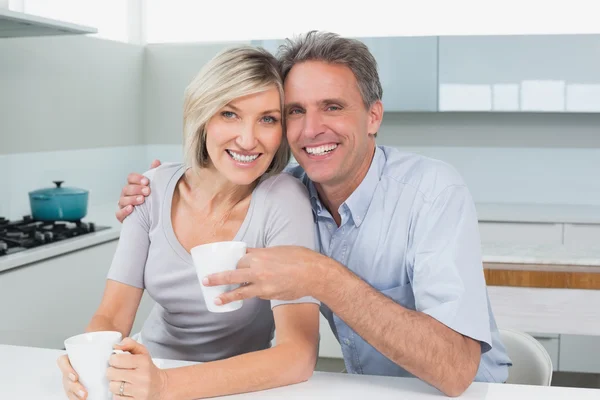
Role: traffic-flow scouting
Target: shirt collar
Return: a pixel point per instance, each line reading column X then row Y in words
column 359, row 201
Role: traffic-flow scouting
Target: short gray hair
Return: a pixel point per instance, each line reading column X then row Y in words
column 234, row 72
column 332, row 48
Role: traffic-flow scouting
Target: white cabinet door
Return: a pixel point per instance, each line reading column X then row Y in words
column 45, row 302
column 537, row 73
column 522, row 233
column 407, row 69
column 582, row 234
column 580, row 353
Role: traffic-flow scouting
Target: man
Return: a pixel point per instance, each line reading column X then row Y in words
column 399, row 274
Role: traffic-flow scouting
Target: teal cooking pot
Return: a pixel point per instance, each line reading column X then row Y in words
column 58, row 203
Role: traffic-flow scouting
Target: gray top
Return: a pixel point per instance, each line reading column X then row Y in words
column 150, row 257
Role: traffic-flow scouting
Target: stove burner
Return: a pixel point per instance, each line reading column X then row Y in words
column 28, row 233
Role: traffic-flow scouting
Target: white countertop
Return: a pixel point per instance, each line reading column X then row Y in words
column 514, row 253
column 102, row 215
column 28, row 373
column 541, row 213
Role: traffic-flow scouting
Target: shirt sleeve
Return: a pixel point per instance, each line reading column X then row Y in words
column 289, row 221
column 129, row 261
column 448, row 280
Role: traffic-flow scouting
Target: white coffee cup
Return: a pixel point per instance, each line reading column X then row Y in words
column 218, row 257
column 89, row 354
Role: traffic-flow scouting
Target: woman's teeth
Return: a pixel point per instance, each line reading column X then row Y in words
column 242, row 158
column 320, row 150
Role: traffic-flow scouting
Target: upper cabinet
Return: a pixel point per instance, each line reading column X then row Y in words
column 546, row 73
column 407, row 69
column 531, row 73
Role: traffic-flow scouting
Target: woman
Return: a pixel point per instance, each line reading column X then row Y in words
column 229, row 188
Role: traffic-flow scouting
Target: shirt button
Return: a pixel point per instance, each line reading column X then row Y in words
column 347, row 342
column 329, row 226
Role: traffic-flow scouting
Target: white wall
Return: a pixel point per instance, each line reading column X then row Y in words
column 504, row 157
column 509, row 158
column 70, row 109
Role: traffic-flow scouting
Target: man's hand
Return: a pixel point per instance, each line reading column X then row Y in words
column 134, row 192
column 275, row 273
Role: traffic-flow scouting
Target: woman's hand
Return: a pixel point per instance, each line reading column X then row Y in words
column 143, row 380
column 73, row 389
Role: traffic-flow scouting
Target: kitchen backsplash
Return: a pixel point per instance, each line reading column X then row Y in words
column 102, row 171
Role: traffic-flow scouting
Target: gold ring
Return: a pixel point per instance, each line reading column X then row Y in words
column 122, row 388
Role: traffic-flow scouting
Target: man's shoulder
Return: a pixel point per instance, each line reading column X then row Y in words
column 427, row 175
column 294, row 169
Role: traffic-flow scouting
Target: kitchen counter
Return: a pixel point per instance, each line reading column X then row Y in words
column 492, row 252
column 103, row 215
column 538, row 213
column 31, row 373
column 560, row 255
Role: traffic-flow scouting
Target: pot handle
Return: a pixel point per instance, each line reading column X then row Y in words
column 58, row 183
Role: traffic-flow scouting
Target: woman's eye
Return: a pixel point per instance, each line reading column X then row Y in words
column 228, row 114
column 269, row 120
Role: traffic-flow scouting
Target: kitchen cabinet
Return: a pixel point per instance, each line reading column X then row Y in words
column 534, row 73
column 17, row 24
column 407, row 68
column 45, row 302
column 522, row 233
column 582, row 234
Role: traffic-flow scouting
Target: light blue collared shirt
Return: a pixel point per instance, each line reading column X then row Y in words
column 410, row 230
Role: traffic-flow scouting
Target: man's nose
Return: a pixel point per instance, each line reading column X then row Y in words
column 313, row 125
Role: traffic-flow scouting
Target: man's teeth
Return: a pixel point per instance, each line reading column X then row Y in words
column 242, row 158
column 321, row 149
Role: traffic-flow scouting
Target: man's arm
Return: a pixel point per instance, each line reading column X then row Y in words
column 419, row 343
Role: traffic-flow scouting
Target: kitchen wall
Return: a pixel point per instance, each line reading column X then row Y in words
column 70, row 109
column 504, row 157
column 88, row 111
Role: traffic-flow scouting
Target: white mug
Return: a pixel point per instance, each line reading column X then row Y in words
column 218, row 257
column 89, row 354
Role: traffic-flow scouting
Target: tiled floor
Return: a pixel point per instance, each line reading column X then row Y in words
column 570, row 379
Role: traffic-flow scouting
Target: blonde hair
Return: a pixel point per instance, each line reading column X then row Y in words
column 233, row 73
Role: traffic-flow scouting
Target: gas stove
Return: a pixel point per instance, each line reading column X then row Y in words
column 28, row 233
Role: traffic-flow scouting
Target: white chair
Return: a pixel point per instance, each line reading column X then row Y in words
column 532, row 364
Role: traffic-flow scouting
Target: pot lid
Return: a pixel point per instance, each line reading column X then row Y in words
column 59, row 190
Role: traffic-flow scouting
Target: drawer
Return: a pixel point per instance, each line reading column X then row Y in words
column 522, row 233
column 582, row 234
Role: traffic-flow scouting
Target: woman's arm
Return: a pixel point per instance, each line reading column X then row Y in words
column 117, row 309
column 291, row 360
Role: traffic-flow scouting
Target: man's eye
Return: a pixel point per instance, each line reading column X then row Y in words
column 295, row 111
column 333, row 108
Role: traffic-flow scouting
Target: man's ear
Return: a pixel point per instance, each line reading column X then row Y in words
column 375, row 117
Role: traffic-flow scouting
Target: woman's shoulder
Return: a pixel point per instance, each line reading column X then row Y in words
column 283, row 185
